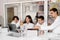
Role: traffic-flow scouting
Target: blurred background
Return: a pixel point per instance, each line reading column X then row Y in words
column 10, row 8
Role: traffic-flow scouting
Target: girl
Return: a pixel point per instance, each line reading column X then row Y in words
column 28, row 23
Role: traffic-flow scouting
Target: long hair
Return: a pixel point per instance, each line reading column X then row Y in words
column 29, row 18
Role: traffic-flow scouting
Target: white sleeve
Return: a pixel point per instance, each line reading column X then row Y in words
column 54, row 25
column 37, row 24
column 44, row 27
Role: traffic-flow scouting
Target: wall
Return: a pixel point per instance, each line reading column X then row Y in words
column 2, row 8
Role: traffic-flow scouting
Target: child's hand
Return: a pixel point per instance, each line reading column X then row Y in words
column 36, row 27
column 21, row 23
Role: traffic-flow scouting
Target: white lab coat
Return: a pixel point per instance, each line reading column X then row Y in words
column 41, row 26
column 29, row 25
column 55, row 26
column 17, row 24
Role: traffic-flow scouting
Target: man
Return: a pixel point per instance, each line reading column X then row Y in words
column 55, row 27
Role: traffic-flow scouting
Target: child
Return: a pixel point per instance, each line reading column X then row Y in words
column 28, row 23
column 40, row 24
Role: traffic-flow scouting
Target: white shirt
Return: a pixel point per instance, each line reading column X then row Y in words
column 29, row 25
column 54, row 26
column 17, row 24
column 41, row 25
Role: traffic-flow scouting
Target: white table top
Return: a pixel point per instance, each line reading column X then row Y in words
column 31, row 35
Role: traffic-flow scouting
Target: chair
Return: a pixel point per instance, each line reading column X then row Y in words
column 12, row 27
column 13, row 30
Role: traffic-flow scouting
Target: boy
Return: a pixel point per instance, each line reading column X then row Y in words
column 40, row 24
